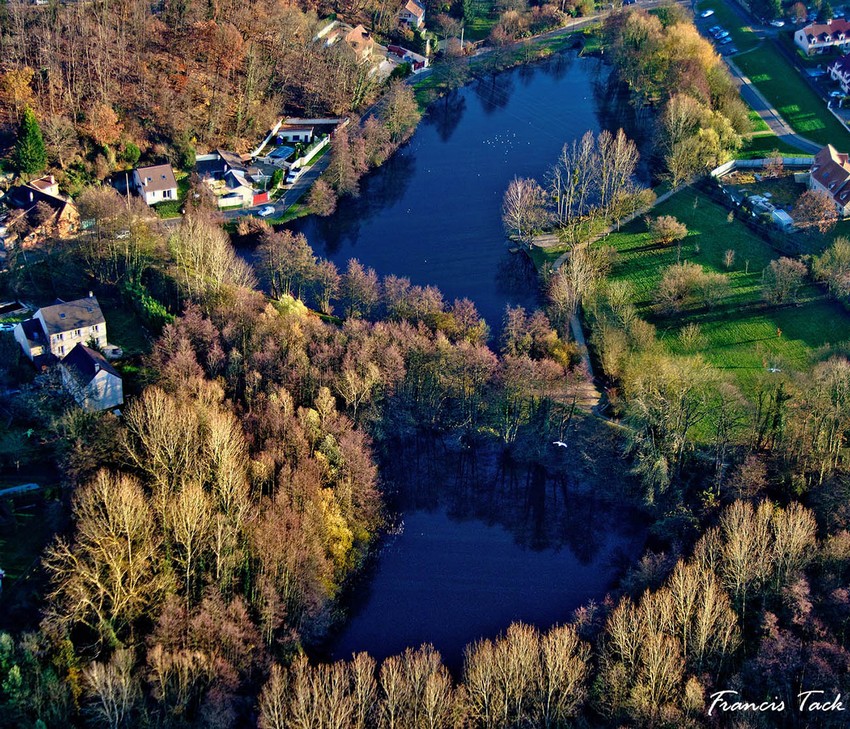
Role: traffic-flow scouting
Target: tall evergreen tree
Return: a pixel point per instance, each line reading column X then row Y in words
column 30, row 153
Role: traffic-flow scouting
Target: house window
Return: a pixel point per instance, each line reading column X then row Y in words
column 60, row 350
column 59, row 337
column 167, row 194
column 77, row 333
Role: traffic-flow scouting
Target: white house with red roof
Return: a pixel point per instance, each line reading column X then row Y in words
column 830, row 173
column 820, row 37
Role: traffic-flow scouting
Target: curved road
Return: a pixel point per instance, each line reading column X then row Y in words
column 771, row 116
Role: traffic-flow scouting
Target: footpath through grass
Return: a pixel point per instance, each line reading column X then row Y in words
column 742, row 335
column 791, row 96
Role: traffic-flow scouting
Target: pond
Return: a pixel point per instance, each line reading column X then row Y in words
column 474, row 550
column 433, row 212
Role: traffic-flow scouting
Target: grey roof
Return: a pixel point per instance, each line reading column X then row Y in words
column 70, row 315
column 157, row 178
column 33, row 331
column 84, row 363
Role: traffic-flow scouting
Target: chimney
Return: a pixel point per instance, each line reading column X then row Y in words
column 91, row 295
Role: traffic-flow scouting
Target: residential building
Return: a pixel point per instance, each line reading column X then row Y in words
column 295, row 133
column 361, row 42
column 155, row 184
column 820, row 37
column 57, row 329
column 412, row 14
column 403, row 55
column 830, row 173
column 91, row 380
column 47, row 213
column 839, row 70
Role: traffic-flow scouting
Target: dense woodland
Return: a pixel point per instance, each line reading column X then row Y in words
column 214, row 526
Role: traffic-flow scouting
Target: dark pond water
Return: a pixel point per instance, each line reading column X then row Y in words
column 432, row 213
column 476, row 548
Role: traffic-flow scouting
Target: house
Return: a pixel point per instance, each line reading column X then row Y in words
column 417, row 62
column 295, row 133
column 830, row 173
column 57, row 329
column 361, row 42
column 412, row 14
column 820, row 37
column 839, row 70
column 45, row 212
column 155, row 184
column 91, row 380
column 214, row 166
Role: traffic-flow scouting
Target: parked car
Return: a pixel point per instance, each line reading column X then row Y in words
column 266, row 211
column 706, row 13
column 722, row 34
column 725, row 41
column 836, row 94
column 777, row 23
column 729, row 50
column 715, row 29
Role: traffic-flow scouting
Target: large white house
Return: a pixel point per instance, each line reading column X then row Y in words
column 820, row 37
column 830, row 173
column 412, row 14
column 57, row 329
column 91, row 380
column 155, row 184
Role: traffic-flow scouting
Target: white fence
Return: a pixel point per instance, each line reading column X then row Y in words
column 749, row 164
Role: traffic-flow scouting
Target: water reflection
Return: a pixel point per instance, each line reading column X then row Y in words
column 482, row 541
column 446, row 114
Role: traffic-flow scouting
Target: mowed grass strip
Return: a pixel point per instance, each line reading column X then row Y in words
column 791, row 96
column 744, row 334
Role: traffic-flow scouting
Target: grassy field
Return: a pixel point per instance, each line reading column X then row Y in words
column 792, row 97
column 742, row 335
column 743, row 36
column 761, row 145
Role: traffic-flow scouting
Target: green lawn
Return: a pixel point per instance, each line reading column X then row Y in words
column 759, row 124
column 761, row 145
column 743, row 36
column 740, row 335
column 792, row 97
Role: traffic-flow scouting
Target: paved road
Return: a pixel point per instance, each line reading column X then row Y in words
column 754, row 97
column 771, row 116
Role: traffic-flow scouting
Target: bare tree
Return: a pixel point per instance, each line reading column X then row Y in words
column 113, row 689
column 782, row 279
column 524, row 209
column 816, row 210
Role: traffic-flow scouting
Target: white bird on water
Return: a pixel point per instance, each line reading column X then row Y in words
column 559, row 443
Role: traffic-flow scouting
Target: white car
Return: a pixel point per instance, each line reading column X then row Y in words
column 266, row 211
column 706, row 13
column 777, row 23
column 835, row 94
column 722, row 34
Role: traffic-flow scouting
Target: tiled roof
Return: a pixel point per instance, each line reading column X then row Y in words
column 69, row 315
column 831, row 169
column 84, row 363
column 157, row 178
